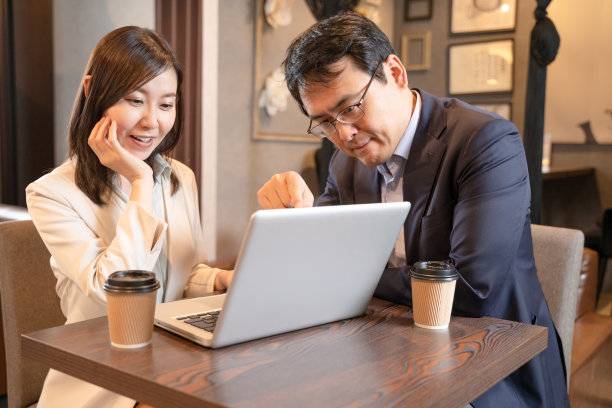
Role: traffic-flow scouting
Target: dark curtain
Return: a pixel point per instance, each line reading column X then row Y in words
column 543, row 50
column 180, row 23
column 26, row 106
column 7, row 126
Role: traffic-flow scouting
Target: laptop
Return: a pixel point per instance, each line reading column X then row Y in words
column 297, row 268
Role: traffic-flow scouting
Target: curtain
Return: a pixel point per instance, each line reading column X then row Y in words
column 543, row 50
column 180, row 23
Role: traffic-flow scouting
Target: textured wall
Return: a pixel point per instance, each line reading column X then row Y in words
column 435, row 79
column 244, row 163
column 77, row 27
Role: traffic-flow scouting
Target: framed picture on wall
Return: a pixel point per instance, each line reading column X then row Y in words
column 417, row 10
column 503, row 109
column 276, row 116
column 483, row 67
column 472, row 16
column 416, row 51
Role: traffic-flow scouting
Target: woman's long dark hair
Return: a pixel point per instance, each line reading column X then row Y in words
column 124, row 60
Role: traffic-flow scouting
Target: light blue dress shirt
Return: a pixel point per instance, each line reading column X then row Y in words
column 393, row 178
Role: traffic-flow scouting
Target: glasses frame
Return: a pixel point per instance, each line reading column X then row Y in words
column 337, row 119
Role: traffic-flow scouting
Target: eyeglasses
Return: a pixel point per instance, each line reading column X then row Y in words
column 348, row 116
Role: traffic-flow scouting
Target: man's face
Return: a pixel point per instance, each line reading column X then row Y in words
column 375, row 136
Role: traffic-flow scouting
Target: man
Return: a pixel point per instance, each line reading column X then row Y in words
column 463, row 170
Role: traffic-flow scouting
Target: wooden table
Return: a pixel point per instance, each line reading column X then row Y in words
column 379, row 359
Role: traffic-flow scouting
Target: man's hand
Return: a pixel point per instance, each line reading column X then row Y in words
column 285, row 190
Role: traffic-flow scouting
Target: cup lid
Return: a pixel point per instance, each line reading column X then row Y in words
column 132, row 281
column 434, row 270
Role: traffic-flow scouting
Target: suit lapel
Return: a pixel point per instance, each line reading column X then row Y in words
column 422, row 167
column 368, row 191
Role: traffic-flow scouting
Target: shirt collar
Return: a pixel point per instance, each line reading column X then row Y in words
column 395, row 165
column 160, row 168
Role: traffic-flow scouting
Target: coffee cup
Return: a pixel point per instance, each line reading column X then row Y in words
column 433, row 290
column 130, row 299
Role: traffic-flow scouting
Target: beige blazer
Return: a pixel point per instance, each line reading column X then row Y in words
column 88, row 242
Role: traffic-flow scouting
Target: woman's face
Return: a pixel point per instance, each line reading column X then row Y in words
column 145, row 116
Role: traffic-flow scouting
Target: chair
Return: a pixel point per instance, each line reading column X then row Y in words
column 592, row 351
column 10, row 212
column 558, row 258
column 29, row 303
column 601, row 241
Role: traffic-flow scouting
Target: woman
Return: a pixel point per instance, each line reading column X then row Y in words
column 119, row 202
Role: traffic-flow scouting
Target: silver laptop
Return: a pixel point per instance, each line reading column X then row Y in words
column 297, row 268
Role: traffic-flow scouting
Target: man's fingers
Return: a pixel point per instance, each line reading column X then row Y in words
column 307, row 198
column 281, row 192
column 285, row 190
column 299, row 193
column 268, row 197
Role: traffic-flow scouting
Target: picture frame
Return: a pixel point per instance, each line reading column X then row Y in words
column 270, row 45
column 503, row 109
column 474, row 16
column 417, row 10
column 416, row 51
column 481, row 67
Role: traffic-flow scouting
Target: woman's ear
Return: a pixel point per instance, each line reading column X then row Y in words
column 86, row 82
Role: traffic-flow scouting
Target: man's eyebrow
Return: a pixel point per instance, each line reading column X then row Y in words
column 341, row 102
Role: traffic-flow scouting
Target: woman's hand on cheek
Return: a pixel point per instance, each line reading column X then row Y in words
column 103, row 141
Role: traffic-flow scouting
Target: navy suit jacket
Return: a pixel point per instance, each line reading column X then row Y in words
column 466, row 177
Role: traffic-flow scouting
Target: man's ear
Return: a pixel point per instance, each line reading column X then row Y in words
column 398, row 72
column 86, row 81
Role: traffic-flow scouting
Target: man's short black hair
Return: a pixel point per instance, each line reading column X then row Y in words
column 348, row 34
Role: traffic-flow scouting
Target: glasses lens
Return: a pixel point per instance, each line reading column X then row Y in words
column 323, row 129
column 350, row 115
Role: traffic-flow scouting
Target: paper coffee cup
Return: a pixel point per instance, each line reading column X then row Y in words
column 130, row 299
column 433, row 290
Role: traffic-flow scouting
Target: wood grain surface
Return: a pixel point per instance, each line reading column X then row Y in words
column 380, row 359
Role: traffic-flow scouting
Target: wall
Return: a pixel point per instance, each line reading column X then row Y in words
column 77, row 27
column 246, row 164
column 577, row 87
column 580, row 72
column 435, row 79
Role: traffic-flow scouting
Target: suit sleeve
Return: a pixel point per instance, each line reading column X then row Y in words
column 330, row 196
column 491, row 214
column 487, row 222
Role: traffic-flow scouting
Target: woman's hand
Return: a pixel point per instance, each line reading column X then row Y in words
column 103, row 141
column 223, row 279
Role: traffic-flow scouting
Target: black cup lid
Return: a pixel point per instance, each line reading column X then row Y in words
column 434, row 270
column 133, row 281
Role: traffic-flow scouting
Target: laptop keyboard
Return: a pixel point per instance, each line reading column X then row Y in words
column 205, row 321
